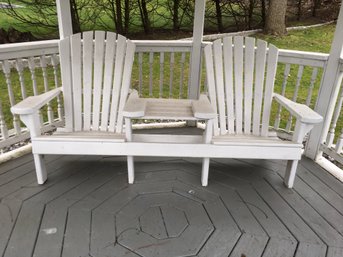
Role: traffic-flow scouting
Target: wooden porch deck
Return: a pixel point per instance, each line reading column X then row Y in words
column 87, row 209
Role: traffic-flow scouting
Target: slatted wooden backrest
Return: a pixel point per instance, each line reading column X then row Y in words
column 96, row 74
column 240, row 78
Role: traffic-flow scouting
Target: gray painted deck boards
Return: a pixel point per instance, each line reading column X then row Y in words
column 86, row 208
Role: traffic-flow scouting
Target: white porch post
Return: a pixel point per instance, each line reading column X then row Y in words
column 64, row 18
column 198, row 31
column 328, row 93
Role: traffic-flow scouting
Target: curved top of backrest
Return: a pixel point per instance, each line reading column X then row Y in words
column 240, row 77
column 96, row 73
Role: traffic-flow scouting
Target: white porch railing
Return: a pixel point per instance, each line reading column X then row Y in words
column 161, row 70
column 333, row 145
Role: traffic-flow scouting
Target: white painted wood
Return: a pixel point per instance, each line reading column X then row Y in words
column 300, row 111
column 336, row 115
column 75, row 45
column 182, row 73
column 202, row 108
column 99, row 49
column 228, row 67
column 328, row 92
column 108, row 78
column 238, row 73
column 171, row 74
column 130, row 162
column 259, row 82
column 291, row 170
column 151, row 63
column 295, row 95
column 208, row 52
column 249, row 59
column 283, row 91
column 66, row 75
column 46, row 87
column 20, row 69
column 198, row 30
column 161, row 74
column 310, row 90
column 130, row 54
column 33, row 103
column 87, row 68
column 55, row 63
column 134, row 107
column 140, row 68
column 118, row 71
column 64, row 18
column 236, row 150
column 218, row 64
column 269, row 88
column 3, row 126
column 7, row 71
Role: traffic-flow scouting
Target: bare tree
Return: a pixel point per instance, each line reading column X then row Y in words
column 276, row 17
column 43, row 13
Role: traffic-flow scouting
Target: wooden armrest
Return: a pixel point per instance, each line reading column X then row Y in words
column 34, row 103
column 300, row 111
column 134, row 106
column 202, row 108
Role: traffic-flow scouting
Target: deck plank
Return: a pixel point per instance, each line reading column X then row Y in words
column 244, row 210
column 277, row 247
column 319, row 225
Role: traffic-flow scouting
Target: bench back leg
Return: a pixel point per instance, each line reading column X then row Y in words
column 291, row 170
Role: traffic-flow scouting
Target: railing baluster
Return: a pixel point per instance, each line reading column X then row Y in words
column 140, row 67
column 283, row 91
column 20, row 69
column 171, row 78
column 295, row 95
column 151, row 68
column 46, row 87
column 3, row 126
column 331, row 135
column 7, row 71
column 182, row 73
column 32, row 66
column 54, row 62
column 161, row 73
column 310, row 90
column 339, row 145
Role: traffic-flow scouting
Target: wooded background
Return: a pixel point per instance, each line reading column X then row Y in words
column 163, row 18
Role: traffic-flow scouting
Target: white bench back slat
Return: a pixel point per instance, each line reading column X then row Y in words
column 260, row 65
column 238, row 78
column 241, row 84
column 87, row 78
column 75, row 43
column 249, row 55
column 218, row 63
column 108, row 78
column 64, row 47
column 228, row 67
column 96, row 75
column 118, row 73
column 269, row 88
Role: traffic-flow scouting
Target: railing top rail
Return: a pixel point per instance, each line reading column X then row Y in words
column 37, row 48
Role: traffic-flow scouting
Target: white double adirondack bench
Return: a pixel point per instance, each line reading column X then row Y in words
column 96, row 74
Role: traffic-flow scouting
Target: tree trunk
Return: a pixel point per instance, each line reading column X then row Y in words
column 299, row 14
column 119, row 17
column 263, row 11
column 144, row 16
column 316, row 6
column 219, row 16
column 75, row 20
column 127, row 16
column 176, row 23
column 276, row 17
